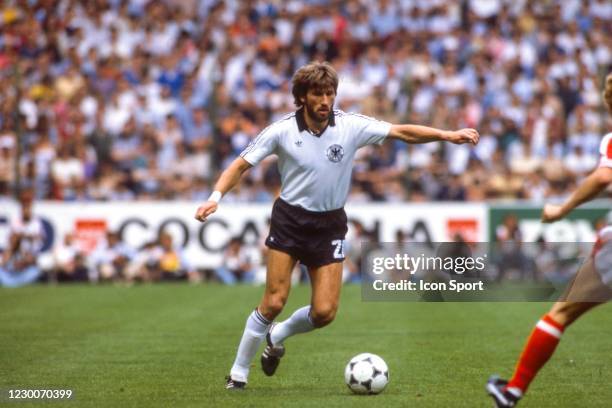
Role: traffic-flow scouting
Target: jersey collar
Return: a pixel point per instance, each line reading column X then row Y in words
column 302, row 126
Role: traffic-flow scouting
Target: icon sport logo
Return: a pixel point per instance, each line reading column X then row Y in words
column 335, row 153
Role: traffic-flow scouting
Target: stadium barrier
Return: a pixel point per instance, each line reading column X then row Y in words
column 203, row 243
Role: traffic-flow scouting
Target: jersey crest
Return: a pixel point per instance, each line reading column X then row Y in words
column 335, row 153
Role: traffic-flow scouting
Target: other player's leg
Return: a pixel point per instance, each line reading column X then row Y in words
column 547, row 333
column 540, row 346
column 278, row 284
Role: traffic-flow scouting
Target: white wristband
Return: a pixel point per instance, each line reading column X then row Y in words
column 215, row 196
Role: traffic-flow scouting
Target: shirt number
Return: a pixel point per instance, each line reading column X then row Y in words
column 339, row 250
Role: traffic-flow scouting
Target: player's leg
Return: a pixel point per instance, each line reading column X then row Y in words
column 326, row 282
column 278, row 283
column 543, row 341
column 324, row 256
column 586, row 292
column 318, row 240
column 566, row 313
column 540, row 346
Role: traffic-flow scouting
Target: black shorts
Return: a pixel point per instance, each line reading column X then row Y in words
column 314, row 238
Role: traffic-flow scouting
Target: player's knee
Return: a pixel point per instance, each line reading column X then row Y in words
column 323, row 315
column 567, row 312
column 272, row 306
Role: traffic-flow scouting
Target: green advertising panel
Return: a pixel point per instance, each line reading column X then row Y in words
column 579, row 226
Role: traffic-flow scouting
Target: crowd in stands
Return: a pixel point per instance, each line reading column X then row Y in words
column 140, row 100
column 109, row 100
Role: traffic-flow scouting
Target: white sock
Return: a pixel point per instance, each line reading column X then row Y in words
column 254, row 332
column 299, row 322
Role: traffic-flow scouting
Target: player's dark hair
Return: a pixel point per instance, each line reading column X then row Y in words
column 312, row 76
column 607, row 93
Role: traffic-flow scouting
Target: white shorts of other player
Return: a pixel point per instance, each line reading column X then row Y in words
column 603, row 255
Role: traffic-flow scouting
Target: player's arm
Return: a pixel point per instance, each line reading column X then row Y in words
column 594, row 184
column 228, row 180
column 423, row 134
column 12, row 247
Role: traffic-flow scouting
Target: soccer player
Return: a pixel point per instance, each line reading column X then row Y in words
column 315, row 147
column 591, row 286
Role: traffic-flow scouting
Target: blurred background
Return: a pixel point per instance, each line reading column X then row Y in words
column 116, row 118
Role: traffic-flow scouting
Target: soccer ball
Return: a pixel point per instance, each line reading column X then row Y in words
column 366, row 373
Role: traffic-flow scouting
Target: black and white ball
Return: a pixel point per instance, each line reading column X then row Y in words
column 366, row 373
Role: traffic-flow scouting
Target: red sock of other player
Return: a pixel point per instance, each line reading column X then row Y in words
column 540, row 346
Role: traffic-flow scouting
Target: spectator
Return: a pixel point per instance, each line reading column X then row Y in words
column 7, row 163
column 237, row 265
column 210, row 74
column 144, row 267
column 111, row 258
column 509, row 255
column 18, row 265
column 173, row 265
column 353, row 249
column 67, row 173
column 579, row 163
column 70, row 265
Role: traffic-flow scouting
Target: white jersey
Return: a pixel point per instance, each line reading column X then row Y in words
column 605, row 151
column 605, row 160
column 603, row 254
column 32, row 234
column 316, row 169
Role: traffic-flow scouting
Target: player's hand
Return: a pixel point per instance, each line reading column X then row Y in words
column 205, row 210
column 461, row 136
column 552, row 213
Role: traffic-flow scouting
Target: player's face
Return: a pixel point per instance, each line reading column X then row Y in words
column 319, row 103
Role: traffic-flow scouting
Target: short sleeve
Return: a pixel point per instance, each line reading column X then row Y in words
column 262, row 146
column 369, row 130
column 605, row 150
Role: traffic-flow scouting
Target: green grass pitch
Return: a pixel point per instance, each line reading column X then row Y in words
column 172, row 345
